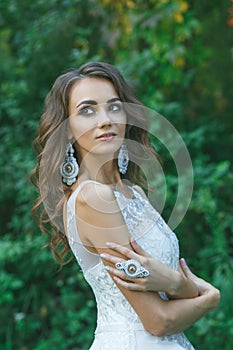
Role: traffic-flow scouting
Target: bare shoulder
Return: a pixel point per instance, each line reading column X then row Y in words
column 96, row 204
column 98, row 217
column 96, row 195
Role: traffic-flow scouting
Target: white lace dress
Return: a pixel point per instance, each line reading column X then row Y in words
column 118, row 325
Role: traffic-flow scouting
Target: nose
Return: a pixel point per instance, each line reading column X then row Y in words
column 103, row 117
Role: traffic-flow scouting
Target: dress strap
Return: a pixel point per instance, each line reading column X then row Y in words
column 84, row 257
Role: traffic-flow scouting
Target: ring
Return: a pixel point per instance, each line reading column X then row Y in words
column 132, row 268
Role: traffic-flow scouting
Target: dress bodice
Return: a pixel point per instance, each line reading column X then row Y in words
column 150, row 231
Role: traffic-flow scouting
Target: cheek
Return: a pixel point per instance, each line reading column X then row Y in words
column 78, row 129
column 121, row 122
column 123, row 125
column 122, row 131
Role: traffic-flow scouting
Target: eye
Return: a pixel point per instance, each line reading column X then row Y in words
column 88, row 110
column 115, row 107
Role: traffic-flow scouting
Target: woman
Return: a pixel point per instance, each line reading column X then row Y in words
column 86, row 140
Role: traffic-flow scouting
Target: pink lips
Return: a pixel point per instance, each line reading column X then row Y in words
column 107, row 136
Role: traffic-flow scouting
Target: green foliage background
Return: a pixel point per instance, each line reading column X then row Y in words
column 178, row 56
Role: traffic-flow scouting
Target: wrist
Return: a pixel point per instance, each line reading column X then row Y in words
column 182, row 287
column 175, row 285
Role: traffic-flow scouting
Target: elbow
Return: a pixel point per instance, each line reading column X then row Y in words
column 159, row 332
column 160, row 327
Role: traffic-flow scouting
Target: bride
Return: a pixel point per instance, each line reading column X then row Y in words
column 145, row 296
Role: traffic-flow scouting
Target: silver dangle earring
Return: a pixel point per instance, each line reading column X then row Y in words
column 69, row 169
column 123, row 159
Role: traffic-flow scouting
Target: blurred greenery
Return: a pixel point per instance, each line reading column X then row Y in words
column 178, row 56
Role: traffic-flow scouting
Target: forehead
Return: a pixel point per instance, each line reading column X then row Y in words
column 96, row 89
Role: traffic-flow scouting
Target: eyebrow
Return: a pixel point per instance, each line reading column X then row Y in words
column 92, row 102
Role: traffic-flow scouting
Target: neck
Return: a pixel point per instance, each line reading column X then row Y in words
column 100, row 169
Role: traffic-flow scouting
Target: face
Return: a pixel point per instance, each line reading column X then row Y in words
column 96, row 116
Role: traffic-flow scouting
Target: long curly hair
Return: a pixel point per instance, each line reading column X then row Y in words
column 49, row 217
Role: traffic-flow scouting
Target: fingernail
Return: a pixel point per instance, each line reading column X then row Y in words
column 109, row 244
column 115, row 278
column 102, row 255
column 107, row 268
column 183, row 262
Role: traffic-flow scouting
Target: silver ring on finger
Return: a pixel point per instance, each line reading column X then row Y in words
column 132, row 268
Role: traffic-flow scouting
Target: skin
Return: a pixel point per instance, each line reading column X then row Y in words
column 95, row 109
column 99, row 219
column 175, row 283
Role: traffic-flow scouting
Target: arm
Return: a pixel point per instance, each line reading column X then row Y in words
column 99, row 220
column 161, row 278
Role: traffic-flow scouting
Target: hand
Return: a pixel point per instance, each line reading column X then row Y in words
column 204, row 288
column 161, row 277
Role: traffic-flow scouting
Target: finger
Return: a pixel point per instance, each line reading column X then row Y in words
column 138, row 249
column 185, row 268
column 119, row 273
column 128, row 253
column 110, row 258
column 128, row 285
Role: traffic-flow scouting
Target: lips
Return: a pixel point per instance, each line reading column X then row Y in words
column 107, row 135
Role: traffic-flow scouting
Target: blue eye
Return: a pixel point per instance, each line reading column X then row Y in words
column 115, row 107
column 87, row 110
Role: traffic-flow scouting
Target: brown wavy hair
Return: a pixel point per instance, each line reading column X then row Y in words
column 55, row 114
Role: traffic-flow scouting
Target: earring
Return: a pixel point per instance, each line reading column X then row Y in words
column 123, row 159
column 69, row 169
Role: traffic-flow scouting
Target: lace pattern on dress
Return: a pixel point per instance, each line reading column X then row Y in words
column 116, row 319
column 148, row 228
column 154, row 236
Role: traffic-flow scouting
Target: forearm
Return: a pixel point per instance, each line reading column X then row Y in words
column 181, row 314
column 173, row 282
column 161, row 279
